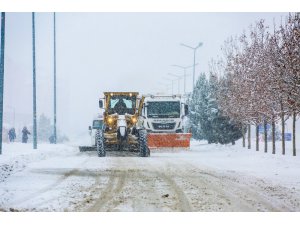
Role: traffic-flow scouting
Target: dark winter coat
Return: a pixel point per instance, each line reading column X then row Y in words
column 52, row 139
column 12, row 134
column 25, row 133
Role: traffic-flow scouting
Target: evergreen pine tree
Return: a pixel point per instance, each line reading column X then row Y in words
column 222, row 130
column 197, row 105
column 207, row 121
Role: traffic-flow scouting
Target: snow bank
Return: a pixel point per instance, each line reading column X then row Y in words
column 16, row 156
column 278, row 168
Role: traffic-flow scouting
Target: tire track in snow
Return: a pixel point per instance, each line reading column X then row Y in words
column 183, row 202
column 114, row 186
column 247, row 195
column 211, row 194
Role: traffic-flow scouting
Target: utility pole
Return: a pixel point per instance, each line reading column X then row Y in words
column 2, row 75
column 34, row 84
column 194, row 49
column 54, row 117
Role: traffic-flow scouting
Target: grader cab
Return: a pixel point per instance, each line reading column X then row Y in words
column 120, row 131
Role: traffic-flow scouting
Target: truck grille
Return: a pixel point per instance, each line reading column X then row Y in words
column 163, row 126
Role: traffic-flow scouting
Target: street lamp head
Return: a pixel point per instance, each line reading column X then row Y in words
column 174, row 75
column 178, row 66
column 161, row 83
column 194, row 48
column 186, row 46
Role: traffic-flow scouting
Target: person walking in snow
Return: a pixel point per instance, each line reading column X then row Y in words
column 25, row 133
column 52, row 139
column 12, row 135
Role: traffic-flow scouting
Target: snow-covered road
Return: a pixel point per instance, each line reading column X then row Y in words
column 206, row 178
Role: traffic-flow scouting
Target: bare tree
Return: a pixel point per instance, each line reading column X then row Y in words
column 260, row 78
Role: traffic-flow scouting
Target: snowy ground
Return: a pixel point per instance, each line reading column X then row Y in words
column 205, row 178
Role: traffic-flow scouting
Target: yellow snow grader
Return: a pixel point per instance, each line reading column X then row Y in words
column 120, row 131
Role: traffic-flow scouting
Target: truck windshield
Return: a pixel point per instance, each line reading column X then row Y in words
column 122, row 104
column 163, row 109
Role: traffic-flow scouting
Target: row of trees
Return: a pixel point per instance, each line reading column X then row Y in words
column 258, row 79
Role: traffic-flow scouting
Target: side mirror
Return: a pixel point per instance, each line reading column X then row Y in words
column 100, row 104
column 186, row 110
column 90, row 128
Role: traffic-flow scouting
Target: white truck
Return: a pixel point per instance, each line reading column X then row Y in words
column 163, row 117
column 96, row 124
column 163, row 113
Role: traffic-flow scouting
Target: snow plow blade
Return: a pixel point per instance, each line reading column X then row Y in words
column 166, row 140
column 87, row 148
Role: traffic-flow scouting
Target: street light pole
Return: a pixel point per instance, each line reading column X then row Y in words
column 184, row 74
column 2, row 75
column 34, row 84
column 165, row 86
column 54, row 116
column 179, row 77
column 172, row 84
column 194, row 49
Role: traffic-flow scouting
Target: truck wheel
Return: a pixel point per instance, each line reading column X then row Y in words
column 100, row 143
column 143, row 144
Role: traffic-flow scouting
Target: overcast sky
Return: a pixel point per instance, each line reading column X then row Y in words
column 99, row 52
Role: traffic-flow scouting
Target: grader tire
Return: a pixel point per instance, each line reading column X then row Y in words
column 143, row 145
column 100, row 143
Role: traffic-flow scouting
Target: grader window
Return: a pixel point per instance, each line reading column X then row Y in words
column 122, row 105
